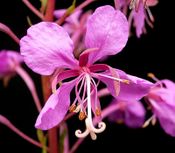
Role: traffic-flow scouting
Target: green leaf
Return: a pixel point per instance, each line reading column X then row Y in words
column 43, row 6
column 43, row 140
column 29, row 21
column 71, row 8
column 61, row 140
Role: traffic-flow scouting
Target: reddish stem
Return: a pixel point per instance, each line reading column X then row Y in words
column 6, row 122
column 84, row 4
column 49, row 10
column 52, row 133
column 9, row 32
column 33, row 9
column 30, row 84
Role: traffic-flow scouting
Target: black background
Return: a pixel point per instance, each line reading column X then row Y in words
column 150, row 53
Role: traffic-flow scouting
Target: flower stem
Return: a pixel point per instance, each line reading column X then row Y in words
column 29, row 82
column 7, row 123
column 84, row 4
column 33, row 9
column 9, row 32
column 49, row 10
column 52, row 133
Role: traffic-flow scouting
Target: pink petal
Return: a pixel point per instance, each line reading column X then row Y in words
column 166, row 115
column 107, row 29
column 95, row 102
column 46, row 47
column 151, row 2
column 139, row 20
column 169, row 85
column 56, row 107
column 135, row 90
column 134, row 114
column 72, row 19
column 8, row 61
column 130, row 112
column 165, row 94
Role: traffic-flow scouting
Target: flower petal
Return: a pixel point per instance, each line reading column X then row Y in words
column 107, row 29
column 134, row 114
column 166, row 115
column 46, row 47
column 151, row 2
column 8, row 61
column 135, row 90
column 139, row 20
column 56, row 107
column 72, row 19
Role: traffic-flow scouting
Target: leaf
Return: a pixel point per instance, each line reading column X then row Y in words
column 61, row 141
column 43, row 140
column 43, row 6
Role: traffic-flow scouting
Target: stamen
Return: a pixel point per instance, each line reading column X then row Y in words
column 152, row 119
column 72, row 108
column 77, row 109
column 132, row 4
column 152, row 76
column 90, row 129
column 82, row 115
column 113, row 78
column 98, row 112
column 149, row 13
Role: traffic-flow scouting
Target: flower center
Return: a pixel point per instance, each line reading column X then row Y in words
column 90, row 129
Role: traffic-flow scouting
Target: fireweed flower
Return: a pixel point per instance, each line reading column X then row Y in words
column 10, row 64
column 72, row 22
column 162, row 101
column 132, row 113
column 48, row 49
column 141, row 15
column 9, row 61
column 75, row 25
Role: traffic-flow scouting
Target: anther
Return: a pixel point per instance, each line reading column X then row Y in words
column 82, row 115
column 72, row 108
column 98, row 112
column 126, row 81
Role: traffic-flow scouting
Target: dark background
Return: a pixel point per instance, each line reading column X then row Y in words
column 150, row 53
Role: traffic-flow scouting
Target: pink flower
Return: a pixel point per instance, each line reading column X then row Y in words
column 10, row 64
column 72, row 22
column 132, row 113
column 162, row 101
column 141, row 15
column 48, row 49
column 9, row 60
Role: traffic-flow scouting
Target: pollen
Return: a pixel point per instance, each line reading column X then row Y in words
column 72, row 108
column 126, row 81
column 98, row 112
column 82, row 115
column 151, row 75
